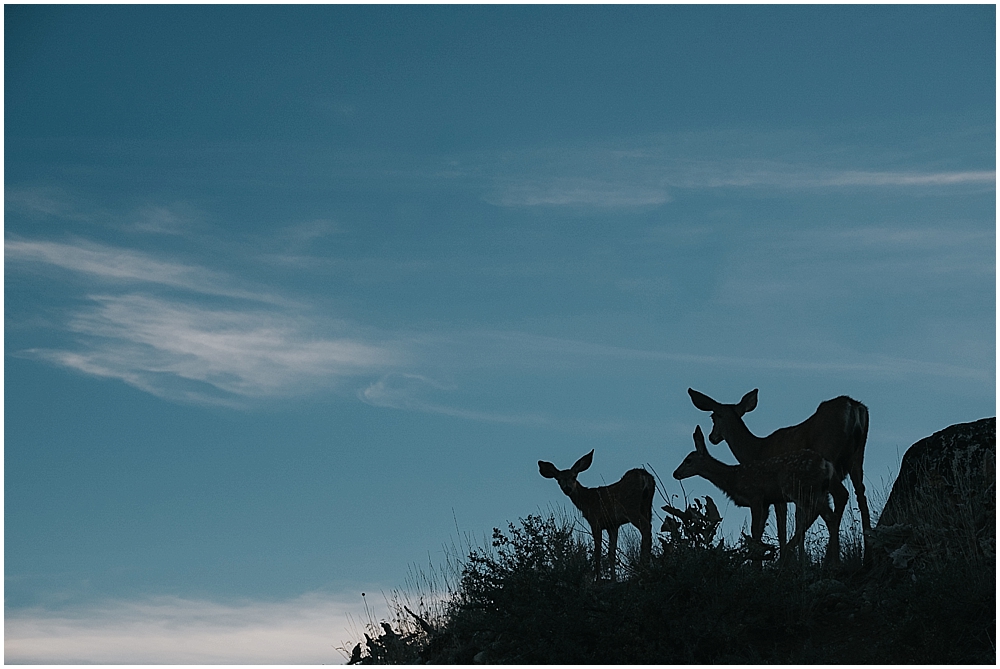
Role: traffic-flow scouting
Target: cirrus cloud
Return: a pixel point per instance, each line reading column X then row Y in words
column 183, row 332
column 198, row 353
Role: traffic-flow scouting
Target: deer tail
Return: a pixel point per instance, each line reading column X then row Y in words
column 859, row 426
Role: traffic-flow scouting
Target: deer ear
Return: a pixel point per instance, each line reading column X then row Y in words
column 583, row 464
column 547, row 469
column 748, row 403
column 702, row 401
column 699, row 440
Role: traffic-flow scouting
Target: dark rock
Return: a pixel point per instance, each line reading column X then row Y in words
column 944, row 499
column 963, row 454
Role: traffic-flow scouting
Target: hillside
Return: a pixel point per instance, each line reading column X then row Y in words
column 530, row 598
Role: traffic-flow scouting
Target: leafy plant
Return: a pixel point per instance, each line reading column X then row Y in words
column 697, row 523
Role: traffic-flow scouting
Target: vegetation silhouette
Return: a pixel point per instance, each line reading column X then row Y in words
column 531, row 596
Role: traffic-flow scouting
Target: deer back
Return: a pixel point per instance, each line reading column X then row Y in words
column 788, row 477
column 627, row 500
column 836, row 431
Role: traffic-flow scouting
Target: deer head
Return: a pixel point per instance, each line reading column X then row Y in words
column 694, row 463
column 727, row 419
column 566, row 478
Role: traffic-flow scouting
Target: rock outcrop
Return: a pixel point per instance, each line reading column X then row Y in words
column 943, row 502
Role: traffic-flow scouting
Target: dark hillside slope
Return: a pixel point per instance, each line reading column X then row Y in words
column 531, row 597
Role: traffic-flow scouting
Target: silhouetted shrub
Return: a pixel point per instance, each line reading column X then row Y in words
column 928, row 595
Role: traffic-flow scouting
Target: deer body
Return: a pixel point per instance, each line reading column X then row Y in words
column 802, row 477
column 837, row 431
column 629, row 500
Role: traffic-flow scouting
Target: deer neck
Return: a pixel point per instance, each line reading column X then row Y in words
column 584, row 499
column 745, row 445
column 718, row 473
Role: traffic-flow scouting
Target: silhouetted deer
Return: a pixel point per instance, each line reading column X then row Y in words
column 837, row 431
column 802, row 477
column 630, row 500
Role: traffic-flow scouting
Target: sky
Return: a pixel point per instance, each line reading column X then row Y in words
column 295, row 298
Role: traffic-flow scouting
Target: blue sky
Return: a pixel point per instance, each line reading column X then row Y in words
column 296, row 297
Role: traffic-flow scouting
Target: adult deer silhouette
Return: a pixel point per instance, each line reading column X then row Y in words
column 837, row 431
column 802, row 477
column 629, row 500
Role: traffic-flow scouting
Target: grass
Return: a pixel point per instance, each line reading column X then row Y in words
column 530, row 598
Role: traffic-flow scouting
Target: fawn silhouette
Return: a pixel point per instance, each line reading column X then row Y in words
column 629, row 500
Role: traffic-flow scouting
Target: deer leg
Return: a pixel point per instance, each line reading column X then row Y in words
column 598, row 537
column 797, row 536
column 781, row 521
column 613, row 551
column 833, row 547
column 807, row 509
column 805, row 515
column 840, row 498
column 646, row 545
column 857, row 478
column 758, row 518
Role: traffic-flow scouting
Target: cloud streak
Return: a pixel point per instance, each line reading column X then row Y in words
column 173, row 630
column 546, row 347
column 512, row 351
column 791, row 177
column 403, row 391
column 643, row 172
column 407, row 392
column 579, row 193
column 40, row 202
column 908, row 178
column 202, row 338
column 126, row 266
column 196, row 353
column 648, row 184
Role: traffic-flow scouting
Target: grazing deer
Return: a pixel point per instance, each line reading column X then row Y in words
column 630, row 500
column 802, row 477
column 837, row 431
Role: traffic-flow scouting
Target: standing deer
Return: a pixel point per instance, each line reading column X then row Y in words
column 837, row 431
column 802, row 477
column 630, row 500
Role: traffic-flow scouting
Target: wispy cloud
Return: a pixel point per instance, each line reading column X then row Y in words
column 642, row 172
column 196, row 353
column 530, row 349
column 648, row 182
column 805, row 176
column 46, row 202
column 162, row 220
column 466, row 356
column 578, row 193
column 173, row 630
column 851, row 178
column 125, row 266
column 303, row 233
column 406, row 391
column 409, row 392
column 201, row 336
column 40, row 202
